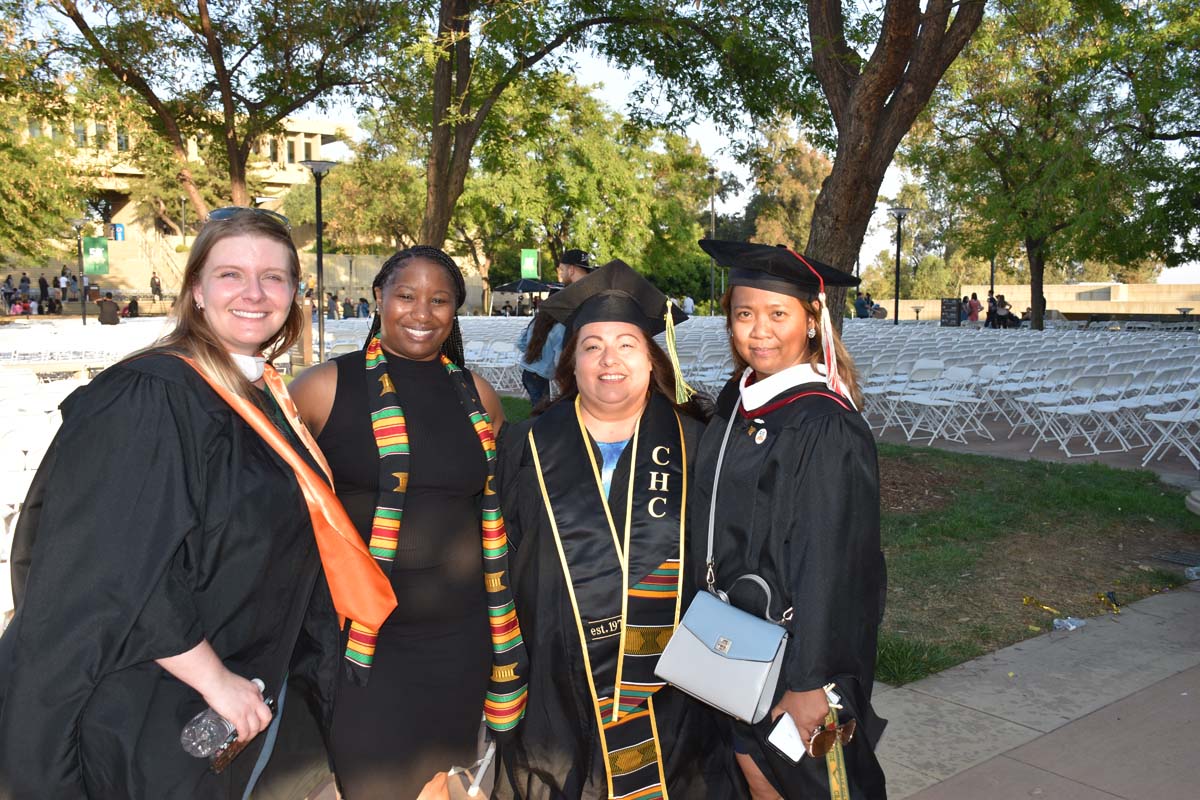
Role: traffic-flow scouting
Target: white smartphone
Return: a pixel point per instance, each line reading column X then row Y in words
column 786, row 739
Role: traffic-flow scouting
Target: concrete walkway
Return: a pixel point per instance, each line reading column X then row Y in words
column 1111, row 710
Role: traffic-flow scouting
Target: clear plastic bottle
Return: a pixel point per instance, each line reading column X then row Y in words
column 1069, row 624
column 208, row 731
column 1192, row 573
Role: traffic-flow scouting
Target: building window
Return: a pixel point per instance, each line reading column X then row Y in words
column 122, row 140
column 291, row 151
column 101, row 136
column 308, row 151
column 81, row 134
column 274, row 151
column 35, row 128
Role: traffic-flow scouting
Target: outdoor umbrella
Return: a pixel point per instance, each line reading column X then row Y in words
column 526, row 285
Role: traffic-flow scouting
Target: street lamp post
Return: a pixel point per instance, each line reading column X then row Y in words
column 712, row 233
column 183, row 221
column 899, row 212
column 319, row 170
column 350, row 288
column 78, row 224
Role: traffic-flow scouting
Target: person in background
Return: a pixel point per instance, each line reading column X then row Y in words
column 973, row 308
column 331, row 305
column 110, row 312
column 964, row 309
column 156, row 287
column 541, row 341
column 795, row 473
column 862, row 306
column 179, row 555
column 364, row 308
column 991, row 320
column 349, row 310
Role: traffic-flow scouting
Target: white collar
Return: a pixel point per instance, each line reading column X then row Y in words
column 759, row 393
column 251, row 366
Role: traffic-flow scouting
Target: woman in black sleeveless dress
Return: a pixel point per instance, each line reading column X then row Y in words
column 412, row 707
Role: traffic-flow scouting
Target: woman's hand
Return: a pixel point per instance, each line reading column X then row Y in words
column 232, row 696
column 239, row 701
column 436, row 789
column 807, row 710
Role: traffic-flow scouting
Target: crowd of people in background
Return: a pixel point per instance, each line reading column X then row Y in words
column 21, row 299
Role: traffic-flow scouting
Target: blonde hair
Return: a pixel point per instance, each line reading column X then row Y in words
column 813, row 348
column 193, row 336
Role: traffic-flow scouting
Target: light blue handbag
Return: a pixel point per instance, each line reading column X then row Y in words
column 719, row 654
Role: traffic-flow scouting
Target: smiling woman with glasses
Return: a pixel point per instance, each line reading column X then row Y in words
column 185, row 540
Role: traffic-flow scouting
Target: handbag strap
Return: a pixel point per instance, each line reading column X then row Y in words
column 710, row 574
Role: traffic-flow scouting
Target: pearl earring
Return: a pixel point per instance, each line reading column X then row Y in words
column 812, row 333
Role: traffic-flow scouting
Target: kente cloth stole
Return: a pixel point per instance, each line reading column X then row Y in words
column 504, row 704
column 623, row 576
column 360, row 591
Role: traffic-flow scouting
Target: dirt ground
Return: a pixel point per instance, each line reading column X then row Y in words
column 1060, row 565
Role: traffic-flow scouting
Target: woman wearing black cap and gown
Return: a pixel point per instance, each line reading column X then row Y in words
column 798, row 505
column 594, row 493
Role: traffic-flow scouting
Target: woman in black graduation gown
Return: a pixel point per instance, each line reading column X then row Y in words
column 409, row 437
column 177, row 558
column 594, row 492
column 798, row 505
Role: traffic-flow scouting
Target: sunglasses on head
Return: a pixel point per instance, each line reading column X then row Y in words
column 825, row 737
column 229, row 212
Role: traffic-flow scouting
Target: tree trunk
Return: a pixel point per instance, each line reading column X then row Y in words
column 874, row 103
column 1035, row 250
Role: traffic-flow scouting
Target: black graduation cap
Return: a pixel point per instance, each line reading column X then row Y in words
column 577, row 258
column 775, row 269
column 612, row 293
column 616, row 293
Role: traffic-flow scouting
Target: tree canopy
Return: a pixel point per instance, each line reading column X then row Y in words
column 219, row 71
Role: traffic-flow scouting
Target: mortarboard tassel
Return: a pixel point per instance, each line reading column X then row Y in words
column 832, row 379
column 683, row 392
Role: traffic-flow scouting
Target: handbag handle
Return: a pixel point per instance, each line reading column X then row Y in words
column 710, row 575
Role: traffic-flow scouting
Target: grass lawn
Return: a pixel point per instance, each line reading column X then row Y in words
column 967, row 538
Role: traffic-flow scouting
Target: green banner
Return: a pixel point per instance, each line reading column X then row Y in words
column 529, row 264
column 95, row 255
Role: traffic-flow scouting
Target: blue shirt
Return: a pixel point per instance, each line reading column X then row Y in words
column 545, row 365
column 611, row 453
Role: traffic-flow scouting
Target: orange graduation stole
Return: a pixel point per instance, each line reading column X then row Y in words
column 360, row 590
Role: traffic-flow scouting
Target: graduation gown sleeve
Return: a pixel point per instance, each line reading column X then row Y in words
column 146, row 533
column 99, row 576
column 835, row 572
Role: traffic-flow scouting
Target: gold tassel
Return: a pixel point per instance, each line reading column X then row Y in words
column 683, row 392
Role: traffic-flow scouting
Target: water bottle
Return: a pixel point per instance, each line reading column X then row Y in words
column 208, row 731
column 1069, row 624
column 1192, row 573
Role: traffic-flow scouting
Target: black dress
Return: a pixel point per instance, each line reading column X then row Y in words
column 173, row 522
column 798, row 505
column 421, row 709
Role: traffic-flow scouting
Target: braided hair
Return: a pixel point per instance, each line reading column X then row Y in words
column 452, row 348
